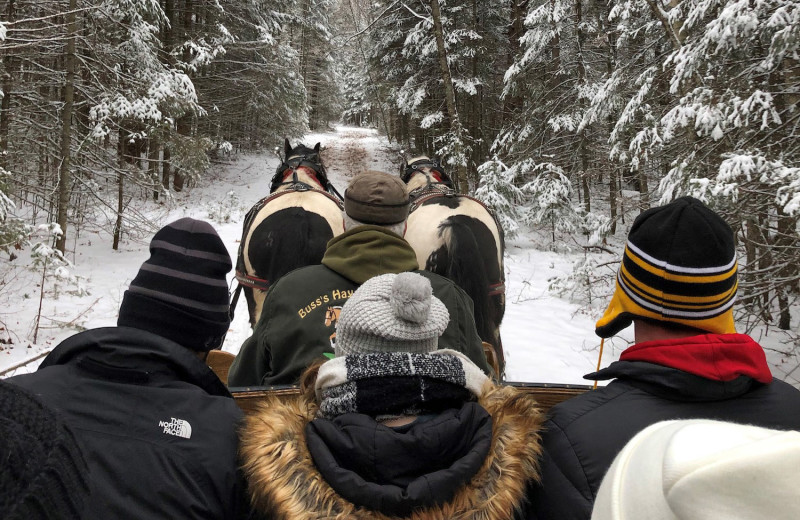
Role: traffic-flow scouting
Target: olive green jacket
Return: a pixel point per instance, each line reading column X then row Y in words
column 298, row 320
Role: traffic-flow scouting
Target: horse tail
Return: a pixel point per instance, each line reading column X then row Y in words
column 465, row 266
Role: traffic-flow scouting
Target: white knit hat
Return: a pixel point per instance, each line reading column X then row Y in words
column 391, row 313
column 703, row 470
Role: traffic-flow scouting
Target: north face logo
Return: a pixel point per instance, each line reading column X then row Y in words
column 177, row 427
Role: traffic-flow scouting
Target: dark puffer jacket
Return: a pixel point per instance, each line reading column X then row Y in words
column 157, row 427
column 584, row 434
column 298, row 320
column 472, row 462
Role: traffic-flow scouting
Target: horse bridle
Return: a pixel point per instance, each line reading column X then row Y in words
column 433, row 165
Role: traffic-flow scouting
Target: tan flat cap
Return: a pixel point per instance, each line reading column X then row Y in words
column 376, row 198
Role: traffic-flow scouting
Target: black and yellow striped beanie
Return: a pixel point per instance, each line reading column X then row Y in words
column 679, row 266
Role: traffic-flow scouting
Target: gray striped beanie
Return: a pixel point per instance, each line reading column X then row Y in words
column 181, row 291
column 391, row 313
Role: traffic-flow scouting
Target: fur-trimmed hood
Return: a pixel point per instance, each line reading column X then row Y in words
column 285, row 484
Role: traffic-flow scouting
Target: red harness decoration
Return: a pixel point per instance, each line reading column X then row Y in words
column 252, row 282
column 308, row 171
column 496, row 289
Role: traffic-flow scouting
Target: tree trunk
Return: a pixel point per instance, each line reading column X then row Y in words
column 449, row 93
column 612, row 198
column 64, row 177
column 123, row 143
column 152, row 166
column 8, row 81
column 166, row 169
column 515, row 31
column 644, row 190
column 582, row 152
column 784, row 242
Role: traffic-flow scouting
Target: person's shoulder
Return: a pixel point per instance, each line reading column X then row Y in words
column 779, row 391
column 439, row 282
column 301, row 275
column 592, row 402
column 213, row 413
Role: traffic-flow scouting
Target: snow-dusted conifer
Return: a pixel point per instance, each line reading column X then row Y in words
column 498, row 191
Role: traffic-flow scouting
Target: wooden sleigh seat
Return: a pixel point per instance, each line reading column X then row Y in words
column 248, row 398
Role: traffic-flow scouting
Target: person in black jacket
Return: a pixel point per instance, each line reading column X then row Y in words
column 676, row 284
column 156, row 425
column 393, row 427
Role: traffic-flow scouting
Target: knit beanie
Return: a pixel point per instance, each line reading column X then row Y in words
column 376, row 198
column 181, row 292
column 391, row 313
column 679, row 266
column 42, row 472
column 703, row 470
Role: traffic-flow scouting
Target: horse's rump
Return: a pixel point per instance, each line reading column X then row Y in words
column 290, row 231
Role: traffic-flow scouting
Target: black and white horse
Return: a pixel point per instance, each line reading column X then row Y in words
column 290, row 228
column 456, row 236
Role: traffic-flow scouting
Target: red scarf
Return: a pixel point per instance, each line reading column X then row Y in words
column 719, row 357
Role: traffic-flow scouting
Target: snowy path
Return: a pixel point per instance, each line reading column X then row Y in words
column 546, row 339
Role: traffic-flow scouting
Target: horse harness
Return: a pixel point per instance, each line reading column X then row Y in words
column 434, row 190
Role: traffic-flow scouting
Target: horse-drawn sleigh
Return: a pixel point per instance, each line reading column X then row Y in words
column 452, row 235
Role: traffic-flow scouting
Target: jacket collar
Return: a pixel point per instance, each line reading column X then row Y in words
column 708, row 366
column 366, row 251
column 285, row 483
column 135, row 356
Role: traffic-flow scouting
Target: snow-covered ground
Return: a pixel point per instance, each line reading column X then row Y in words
column 546, row 339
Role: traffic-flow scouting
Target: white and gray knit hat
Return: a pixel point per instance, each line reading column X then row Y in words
column 391, row 313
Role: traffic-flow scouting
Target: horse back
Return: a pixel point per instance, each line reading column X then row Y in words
column 290, row 231
column 425, row 236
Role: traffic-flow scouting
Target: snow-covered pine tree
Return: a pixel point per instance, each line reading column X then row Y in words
column 407, row 54
column 550, row 193
column 498, row 191
column 727, row 90
column 562, row 61
column 254, row 94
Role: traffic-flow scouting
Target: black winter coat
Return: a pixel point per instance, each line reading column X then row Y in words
column 467, row 463
column 583, row 435
column 157, row 427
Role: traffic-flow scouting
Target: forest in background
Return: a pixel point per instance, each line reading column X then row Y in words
column 548, row 110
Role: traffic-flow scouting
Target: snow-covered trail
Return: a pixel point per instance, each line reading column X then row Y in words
column 546, row 339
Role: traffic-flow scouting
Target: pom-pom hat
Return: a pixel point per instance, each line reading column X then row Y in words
column 391, row 313
column 181, row 291
column 679, row 266
column 377, row 198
